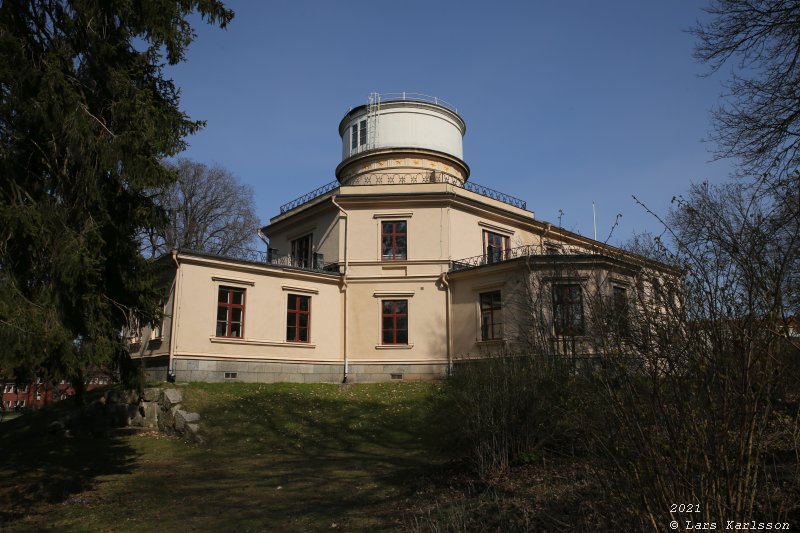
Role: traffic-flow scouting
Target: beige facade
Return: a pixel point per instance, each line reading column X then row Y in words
column 395, row 272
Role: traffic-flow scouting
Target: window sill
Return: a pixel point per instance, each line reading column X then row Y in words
column 393, row 346
column 255, row 342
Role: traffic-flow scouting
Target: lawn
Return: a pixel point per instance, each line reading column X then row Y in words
column 283, row 457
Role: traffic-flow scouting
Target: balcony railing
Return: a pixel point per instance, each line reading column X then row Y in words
column 316, row 193
column 406, row 178
column 495, row 255
column 414, row 97
column 314, row 263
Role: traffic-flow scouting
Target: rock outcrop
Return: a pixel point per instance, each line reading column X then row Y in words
column 156, row 408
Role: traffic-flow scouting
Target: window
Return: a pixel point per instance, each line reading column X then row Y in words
column 491, row 316
column 362, row 140
column 9, row 387
column 394, row 321
column 358, row 135
column 23, row 389
column 298, row 318
column 394, row 240
column 568, row 309
column 230, row 312
column 658, row 292
column 495, row 246
column 619, row 310
column 301, row 252
column 155, row 331
column 38, row 396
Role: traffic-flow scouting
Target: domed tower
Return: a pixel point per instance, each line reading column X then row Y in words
column 402, row 133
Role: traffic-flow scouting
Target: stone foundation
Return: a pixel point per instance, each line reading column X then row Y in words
column 155, row 368
column 217, row 371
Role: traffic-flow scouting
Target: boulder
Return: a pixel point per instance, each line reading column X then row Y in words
column 150, row 414
column 193, row 433
column 136, row 414
column 182, row 418
column 170, row 397
column 56, row 426
column 121, row 396
column 151, row 394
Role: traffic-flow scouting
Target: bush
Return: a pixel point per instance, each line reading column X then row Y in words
column 507, row 409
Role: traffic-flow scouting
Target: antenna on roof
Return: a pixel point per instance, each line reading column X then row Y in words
column 594, row 221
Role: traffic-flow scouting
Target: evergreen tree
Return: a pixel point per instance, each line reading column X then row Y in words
column 86, row 117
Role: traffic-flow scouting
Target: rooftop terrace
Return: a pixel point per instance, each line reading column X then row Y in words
column 406, row 178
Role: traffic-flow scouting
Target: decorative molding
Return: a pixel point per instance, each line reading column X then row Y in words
column 299, row 289
column 386, row 294
column 251, row 283
column 391, row 347
column 255, row 342
column 499, row 229
column 406, row 214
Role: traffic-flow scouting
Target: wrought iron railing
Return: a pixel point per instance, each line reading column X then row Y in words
column 406, row 178
column 316, row 193
column 498, row 256
column 314, row 263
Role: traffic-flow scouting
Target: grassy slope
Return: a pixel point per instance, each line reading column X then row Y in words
column 280, row 458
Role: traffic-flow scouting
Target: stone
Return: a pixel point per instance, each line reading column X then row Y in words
column 170, row 397
column 182, row 418
column 150, row 414
column 151, row 394
column 136, row 414
column 121, row 396
column 55, row 426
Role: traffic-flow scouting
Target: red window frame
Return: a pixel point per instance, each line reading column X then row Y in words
column 294, row 315
column 228, row 305
column 491, row 316
column 391, row 230
column 394, row 313
column 495, row 246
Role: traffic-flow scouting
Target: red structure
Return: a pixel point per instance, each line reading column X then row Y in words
column 38, row 393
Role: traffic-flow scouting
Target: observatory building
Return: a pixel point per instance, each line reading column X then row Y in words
column 398, row 269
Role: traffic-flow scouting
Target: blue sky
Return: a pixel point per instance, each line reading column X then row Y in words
column 565, row 102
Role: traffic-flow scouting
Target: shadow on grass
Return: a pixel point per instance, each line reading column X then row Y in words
column 303, row 458
column 38, row 466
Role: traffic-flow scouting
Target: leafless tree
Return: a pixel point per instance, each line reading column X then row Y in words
column 208, row 210
column 712, row 416
column 760, row 125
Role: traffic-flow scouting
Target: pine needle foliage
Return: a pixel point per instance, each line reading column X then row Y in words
column 86, row 117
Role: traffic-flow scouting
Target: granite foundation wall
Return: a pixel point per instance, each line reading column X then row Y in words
column 155, row 369
column 271, row 372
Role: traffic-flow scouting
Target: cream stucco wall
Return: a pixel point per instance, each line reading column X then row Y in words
column 322, row 223
column 266, row 292
column 411, row 170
